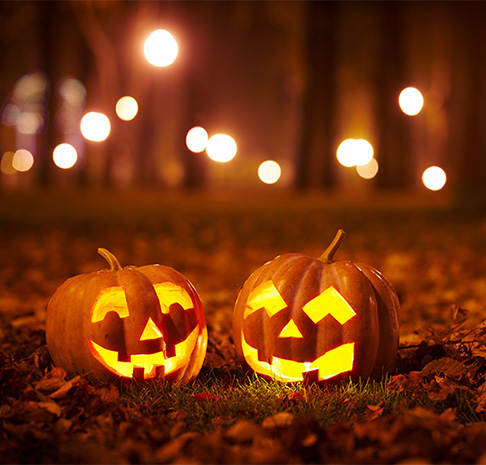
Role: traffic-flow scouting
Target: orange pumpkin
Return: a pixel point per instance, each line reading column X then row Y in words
column 299, row 318
column 133, row 322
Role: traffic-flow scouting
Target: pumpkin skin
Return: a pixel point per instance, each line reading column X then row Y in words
column 299, row 318
column 133, row 322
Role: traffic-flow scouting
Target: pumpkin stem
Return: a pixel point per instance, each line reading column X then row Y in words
column 331, row 250
column 110, row 258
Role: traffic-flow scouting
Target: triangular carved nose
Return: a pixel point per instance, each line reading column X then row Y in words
column 290, row 330
column 151, row 331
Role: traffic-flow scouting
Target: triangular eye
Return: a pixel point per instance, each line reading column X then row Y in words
column 151, row 331
column 330, row 302
column 290, row 330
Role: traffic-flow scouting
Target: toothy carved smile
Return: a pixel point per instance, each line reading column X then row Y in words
column 146, row 366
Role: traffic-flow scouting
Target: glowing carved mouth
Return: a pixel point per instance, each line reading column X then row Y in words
column 332, row 363
column 146, row 365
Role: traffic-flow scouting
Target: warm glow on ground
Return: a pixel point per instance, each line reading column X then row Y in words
column 368, row 171
column 434, row 178
column 197, row 139
column 65, row 156
column 221, row 148
column 354, row 152
column 22, row 160
column 160, row 48
column 126, row 108
column 269, row 172
column 411, row 101
column 95, row 126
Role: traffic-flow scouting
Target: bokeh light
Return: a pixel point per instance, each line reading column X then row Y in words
column 160, row 48
column 221, row 148
column 6, row 164
column 72, row 91
column 269, row 172
column 368, row 171
column 434, row 178
column 22, row 160
column 411, row 101
column 197, row 139
column 65, row 156
column 354, row 152
column 126, row 108
column 95, row 126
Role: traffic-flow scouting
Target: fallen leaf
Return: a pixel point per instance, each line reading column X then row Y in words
column 243, row 431
column 205, row 397
column 65, row 388
column 279, row 420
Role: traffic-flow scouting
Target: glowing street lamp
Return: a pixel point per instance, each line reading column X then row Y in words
column 354, row 152
column 22, row 160
column 221, row 148
column 65, row 156
column 160, row 48
column 126, row 108
column 434, row 178
column 269, row 172
column 411, row 101
column 197, row 139
column 95, row 126
column 368, row 171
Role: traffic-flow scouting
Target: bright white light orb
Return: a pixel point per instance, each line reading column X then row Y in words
column 160, row 48
column 65, row 156
column 95, row 126
column 368, row 171
column 221, row 148
column 434, row 178
column 269, row 172
column 197, row 139
column 345, row 153
column 411, row 101
column 363, row 152
column 22, row 160
column 354, row 152
column 126, row 108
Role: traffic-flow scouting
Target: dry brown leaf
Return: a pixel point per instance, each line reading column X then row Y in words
column 446, row 366
column 243, row 431
column 65, row 388
column 279, row 420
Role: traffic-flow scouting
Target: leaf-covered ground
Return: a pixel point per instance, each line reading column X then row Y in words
column 431, row 410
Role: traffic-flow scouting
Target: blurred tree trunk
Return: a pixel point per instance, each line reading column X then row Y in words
column 393, row 132
column 315, row 145
column 48, row 21
column 468, row 101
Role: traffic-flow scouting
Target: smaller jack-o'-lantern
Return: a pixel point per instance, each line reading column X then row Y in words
column 133, row 322
column 299, row 318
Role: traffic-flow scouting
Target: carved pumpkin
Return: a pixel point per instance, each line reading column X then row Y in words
column 299, row 318
column 133, row 322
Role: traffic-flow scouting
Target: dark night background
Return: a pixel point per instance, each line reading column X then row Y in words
column 288, row 81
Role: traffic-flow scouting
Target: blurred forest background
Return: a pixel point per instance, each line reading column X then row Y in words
column 287, row 80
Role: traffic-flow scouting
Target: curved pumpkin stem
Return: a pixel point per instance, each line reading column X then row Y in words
column 110, row 258
column 331, row 250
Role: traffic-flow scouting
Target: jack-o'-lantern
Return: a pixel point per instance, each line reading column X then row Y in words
column 133, row 322
column 299, row 318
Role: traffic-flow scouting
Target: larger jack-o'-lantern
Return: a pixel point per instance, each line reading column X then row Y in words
column 299, row 318
column 133, row 322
